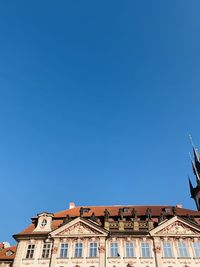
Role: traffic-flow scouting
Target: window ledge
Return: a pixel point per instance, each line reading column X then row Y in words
column 77, row 257
column 183, row 257
column 41, row 259
column 28, row 259
column 92, row 257
column 62, row 258
column 130, row 257
column 168, row 257
column 145, row 257
column 196, row 258
column 118, row 257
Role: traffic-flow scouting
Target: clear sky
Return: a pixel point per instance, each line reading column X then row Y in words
column 97, row 99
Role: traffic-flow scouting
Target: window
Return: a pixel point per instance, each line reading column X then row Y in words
column 46, row 250
column 129, row 249
column 114, row 249
column 183, row 252
column 93, row 249
column 196, row 246
column 30, row 251
column 63, row 250
column 167, row 249
column 145, row 250
column 78, row 250
column 9, row 253
column 43, row 223
column 125, row 209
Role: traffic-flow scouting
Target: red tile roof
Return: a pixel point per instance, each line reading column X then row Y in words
column 114, row 211
column 31, row 227
column 4, row 251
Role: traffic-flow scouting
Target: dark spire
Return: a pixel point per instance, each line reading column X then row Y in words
column 195, row 172
column 191, row 187
column 196, row 159
column 195, row 191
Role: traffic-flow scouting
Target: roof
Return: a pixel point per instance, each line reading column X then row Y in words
column 114, row 211
column 156, row 211
column 4, row 256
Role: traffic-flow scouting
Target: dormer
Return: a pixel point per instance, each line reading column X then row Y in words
column 9, row 252
column 44, row 222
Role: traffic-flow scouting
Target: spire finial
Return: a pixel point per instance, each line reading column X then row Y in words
column 191, row 140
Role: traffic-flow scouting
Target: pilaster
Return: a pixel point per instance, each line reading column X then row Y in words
column 102, row 252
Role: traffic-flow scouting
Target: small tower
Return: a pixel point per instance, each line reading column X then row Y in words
column 195, row 191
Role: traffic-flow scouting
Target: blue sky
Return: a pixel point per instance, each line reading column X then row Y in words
column 97, row 99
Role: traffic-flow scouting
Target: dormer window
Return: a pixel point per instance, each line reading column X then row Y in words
column 167, row 210
column 9, row 253
column 43, row 223
column 125, row 209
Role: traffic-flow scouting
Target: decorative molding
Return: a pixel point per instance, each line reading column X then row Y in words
column 177, row 228
column 78, row 229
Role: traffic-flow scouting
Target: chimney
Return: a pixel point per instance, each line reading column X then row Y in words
column 71, row 205
column 179, row 206
column 6, row 244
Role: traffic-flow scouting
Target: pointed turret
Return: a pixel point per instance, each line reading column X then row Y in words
column 195, row 191
column 191, row 186
column 196, row 160
column 195, row 172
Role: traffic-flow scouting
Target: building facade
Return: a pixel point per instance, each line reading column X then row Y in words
column 111, row 236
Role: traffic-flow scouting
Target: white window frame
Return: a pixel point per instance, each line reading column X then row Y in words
column 93, row 250
column 114, row 249
column 167, row 249
column 196, row 248
column 183, row 249
column 78, row 250
column 46, row 250
column 145, row 249
column 30, row 251
column 130, row 249
column 64, row 247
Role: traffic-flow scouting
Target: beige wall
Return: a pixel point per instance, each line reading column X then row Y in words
column 104, row 259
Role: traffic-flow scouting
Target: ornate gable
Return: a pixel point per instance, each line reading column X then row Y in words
column 79, row 228
column 176, row 227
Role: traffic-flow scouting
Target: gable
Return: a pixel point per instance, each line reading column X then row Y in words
column 79, row 227
column 176, row 227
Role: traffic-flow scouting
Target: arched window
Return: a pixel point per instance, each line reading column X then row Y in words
column 43, row 223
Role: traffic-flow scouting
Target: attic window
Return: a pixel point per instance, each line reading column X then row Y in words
column 167, row 210
column 43, row 223
column 9, row 252
column 125, row 209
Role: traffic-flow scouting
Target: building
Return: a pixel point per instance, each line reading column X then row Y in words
column 114, row 236
column 7, row 254
column 111, row 236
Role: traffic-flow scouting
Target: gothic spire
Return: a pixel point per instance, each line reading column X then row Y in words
column 195, row 191
column 196, row 159
column 191, row 186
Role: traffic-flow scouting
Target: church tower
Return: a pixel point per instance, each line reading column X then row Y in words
column 195, row 191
